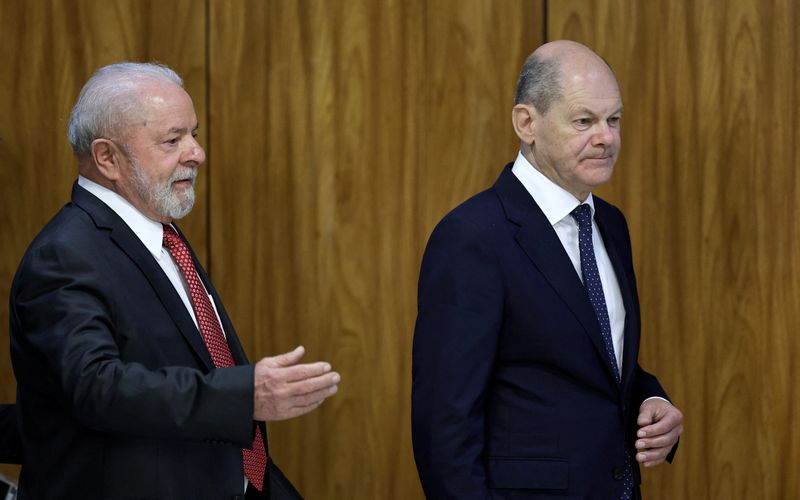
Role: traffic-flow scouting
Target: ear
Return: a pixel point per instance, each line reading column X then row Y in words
column 523, row 116
column 107, row 157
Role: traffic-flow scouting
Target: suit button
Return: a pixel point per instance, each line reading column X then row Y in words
column 618, row 473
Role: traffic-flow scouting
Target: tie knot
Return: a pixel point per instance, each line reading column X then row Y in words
column 582, row 215
column 171, row 239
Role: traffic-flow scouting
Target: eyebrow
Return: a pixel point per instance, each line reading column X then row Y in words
column 182, row 130
column 584, row 110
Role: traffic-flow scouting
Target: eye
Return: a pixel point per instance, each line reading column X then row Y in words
column 173, row 141
column 614, row 121
column 583, row 123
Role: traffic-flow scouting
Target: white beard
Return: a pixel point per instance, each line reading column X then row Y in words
column 160, row 197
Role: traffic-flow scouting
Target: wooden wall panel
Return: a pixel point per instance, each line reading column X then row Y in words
column 474, row 54
column 48, row 50
column 342, row 130
column 303, row 96
column 708, row 179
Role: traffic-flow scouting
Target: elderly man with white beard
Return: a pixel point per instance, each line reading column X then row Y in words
column 132, row 382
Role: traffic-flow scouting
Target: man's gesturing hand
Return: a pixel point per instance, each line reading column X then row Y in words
column 285, row 389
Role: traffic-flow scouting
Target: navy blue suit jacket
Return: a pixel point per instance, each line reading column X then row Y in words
column 10, row 445
column 513, row 394
column 117, row 394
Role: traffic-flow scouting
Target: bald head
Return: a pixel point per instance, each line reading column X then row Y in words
column 554, row 66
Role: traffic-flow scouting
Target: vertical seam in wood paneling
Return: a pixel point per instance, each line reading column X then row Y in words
column 424, row 150
column 209, row 163
column 545, row 12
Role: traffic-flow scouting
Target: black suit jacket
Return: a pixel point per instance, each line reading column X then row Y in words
column 513, row 394
column 117, row 392
column 10, row 445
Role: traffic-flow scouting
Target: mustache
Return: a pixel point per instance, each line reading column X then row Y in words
column 184, row 174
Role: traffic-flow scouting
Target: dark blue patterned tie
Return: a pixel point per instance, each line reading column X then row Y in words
column 594, row 289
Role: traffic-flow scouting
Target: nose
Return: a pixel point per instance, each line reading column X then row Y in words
column 603, row 136
column 194, row 152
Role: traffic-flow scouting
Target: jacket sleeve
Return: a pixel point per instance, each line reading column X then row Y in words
column 64, row 349
column 455, row 340
column 645, row 384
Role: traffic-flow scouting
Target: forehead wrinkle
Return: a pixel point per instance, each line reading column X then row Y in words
column 166, row 123
column 166, row 108
column 584, row 105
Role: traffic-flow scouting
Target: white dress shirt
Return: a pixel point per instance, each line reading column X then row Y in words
column 557, row 203
column 151, row 234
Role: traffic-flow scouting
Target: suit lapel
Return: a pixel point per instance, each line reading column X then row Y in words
column 124, row 238
column 540, row 243
column 630, row 349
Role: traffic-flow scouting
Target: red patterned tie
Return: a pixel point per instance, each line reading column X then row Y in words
column 255, row 458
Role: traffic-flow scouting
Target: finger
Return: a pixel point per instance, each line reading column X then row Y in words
column 662, row 421
column 298, row 373
column 310, row 404
column 665, row 440
column 288, row 358
column 645, row 417
column 315, row 397
column 662, row 426
column 314, row 384
column 305, row 386
column 652, row 457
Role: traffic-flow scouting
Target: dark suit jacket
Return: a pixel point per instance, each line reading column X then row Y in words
column 513, row 395
column 117, row 393
column 10, row 445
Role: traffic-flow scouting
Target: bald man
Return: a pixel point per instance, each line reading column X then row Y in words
column 525, row 375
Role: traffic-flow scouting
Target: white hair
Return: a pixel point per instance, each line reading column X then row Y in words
column 110, row 102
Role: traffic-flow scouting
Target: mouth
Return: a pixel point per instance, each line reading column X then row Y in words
column 183, row 185
column 605, row 158
column 183, row 179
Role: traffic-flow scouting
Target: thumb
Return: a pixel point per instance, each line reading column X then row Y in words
column 289, row 358
column 645, row 417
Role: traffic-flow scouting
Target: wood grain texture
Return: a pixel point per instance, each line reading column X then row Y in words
column 48, row 50
column 342, row 130
column 708, row 180
column 474, row 54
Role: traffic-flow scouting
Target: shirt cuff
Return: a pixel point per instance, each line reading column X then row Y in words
column 655, row 397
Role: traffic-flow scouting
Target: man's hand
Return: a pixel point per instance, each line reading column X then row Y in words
column 285, row 389
column 660, row 425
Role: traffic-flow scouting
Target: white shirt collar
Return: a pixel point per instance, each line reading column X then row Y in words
column 150, row 232
column 555, row 201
